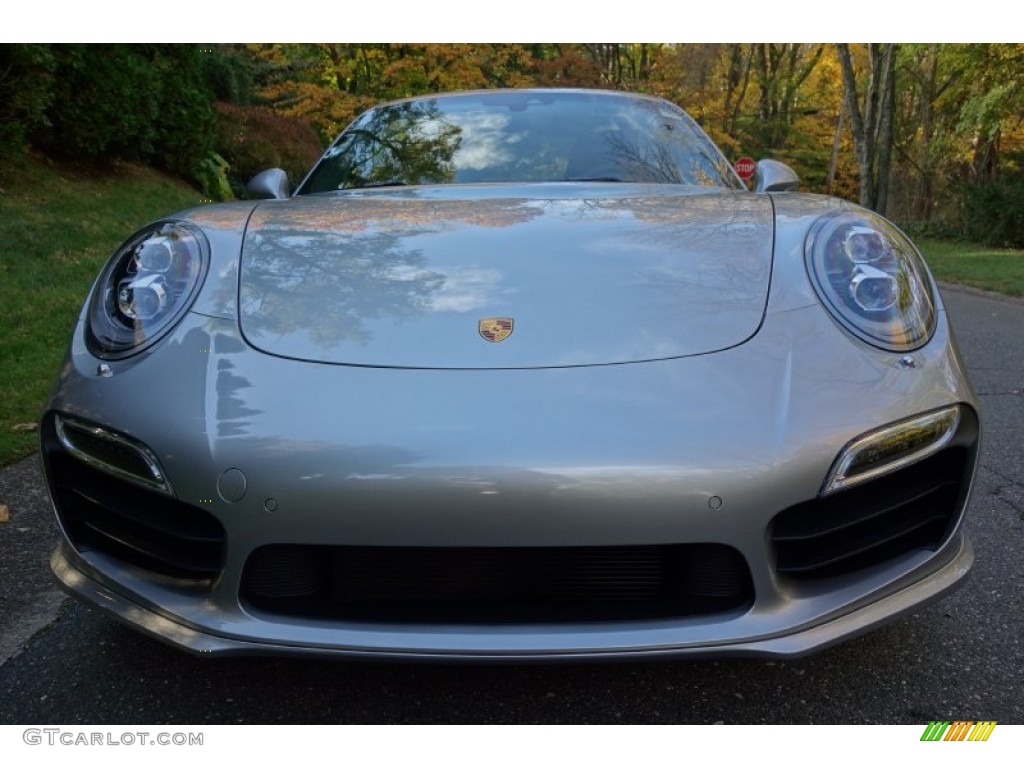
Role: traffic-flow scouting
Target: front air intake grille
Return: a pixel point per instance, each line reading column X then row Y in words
column 912, row 509
column 103, row 512
column 496, row 584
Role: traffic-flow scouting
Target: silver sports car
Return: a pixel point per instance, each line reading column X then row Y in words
column 513, row 375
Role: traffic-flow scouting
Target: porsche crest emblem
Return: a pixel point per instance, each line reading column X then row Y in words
column 495, row 328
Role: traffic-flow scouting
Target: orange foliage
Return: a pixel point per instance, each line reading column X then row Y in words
column 253, row 139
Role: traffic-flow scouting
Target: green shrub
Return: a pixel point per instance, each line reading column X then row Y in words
column 938, row 228
column 994, row 211
column 103, row 102
column 186, row 122
column 227, row 73
column 137, row 102
column 26, row 92
column 212, row 176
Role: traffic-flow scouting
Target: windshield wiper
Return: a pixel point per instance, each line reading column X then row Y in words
column 596, row 178
column 377, row 184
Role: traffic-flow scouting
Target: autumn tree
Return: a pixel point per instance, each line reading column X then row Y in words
column 780, row 69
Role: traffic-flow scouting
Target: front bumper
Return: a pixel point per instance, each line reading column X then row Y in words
column 519, row 644
column 628, row 455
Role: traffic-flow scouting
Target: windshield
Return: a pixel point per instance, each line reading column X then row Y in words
column 527, row 136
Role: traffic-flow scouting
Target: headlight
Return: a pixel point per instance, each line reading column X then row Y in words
column 145, row 288
column 872, row 279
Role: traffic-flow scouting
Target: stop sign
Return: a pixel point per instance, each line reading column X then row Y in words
column 745, row 167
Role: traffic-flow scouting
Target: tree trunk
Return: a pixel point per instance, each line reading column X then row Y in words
column 830, row 180
column 861, row 135
column 744, row 82
column 926, row 119
column 985, row 163
column 887, row 105
column 872, row 126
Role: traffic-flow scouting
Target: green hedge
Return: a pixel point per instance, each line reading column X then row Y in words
column 138, row 102
column 26, row 94
column 995, row 211
column 93, row 102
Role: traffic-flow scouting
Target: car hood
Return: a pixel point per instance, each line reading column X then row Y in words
column 582, row 274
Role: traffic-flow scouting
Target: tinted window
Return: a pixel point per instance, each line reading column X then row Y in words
column 521, row 136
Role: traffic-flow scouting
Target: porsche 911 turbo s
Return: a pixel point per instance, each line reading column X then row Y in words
column 513, row 375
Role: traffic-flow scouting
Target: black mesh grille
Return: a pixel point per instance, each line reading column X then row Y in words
column 496, row 584
column 915, row 508
column 142, row 527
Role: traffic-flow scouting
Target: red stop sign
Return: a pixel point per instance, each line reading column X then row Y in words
column 745, row 167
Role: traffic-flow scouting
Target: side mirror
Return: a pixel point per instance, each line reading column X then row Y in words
column 773, row 176
column 271, row 184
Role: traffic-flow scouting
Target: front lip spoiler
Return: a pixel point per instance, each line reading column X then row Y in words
column 785, row 646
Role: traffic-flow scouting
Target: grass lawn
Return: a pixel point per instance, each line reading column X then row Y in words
column 994, row 269
column 57, row 227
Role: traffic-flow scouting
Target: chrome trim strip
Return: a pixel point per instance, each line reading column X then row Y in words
column 837, row 478
column 157, row 480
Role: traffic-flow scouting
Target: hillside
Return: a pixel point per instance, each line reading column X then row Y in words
column 57, row 227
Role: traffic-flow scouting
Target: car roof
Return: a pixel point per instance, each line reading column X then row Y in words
column 523, row 91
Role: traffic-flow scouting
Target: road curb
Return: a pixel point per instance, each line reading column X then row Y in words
column 971, row 290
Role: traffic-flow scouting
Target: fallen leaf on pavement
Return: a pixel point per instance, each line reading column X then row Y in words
column 5, row 513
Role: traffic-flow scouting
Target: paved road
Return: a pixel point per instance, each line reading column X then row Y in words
column 960, row 659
